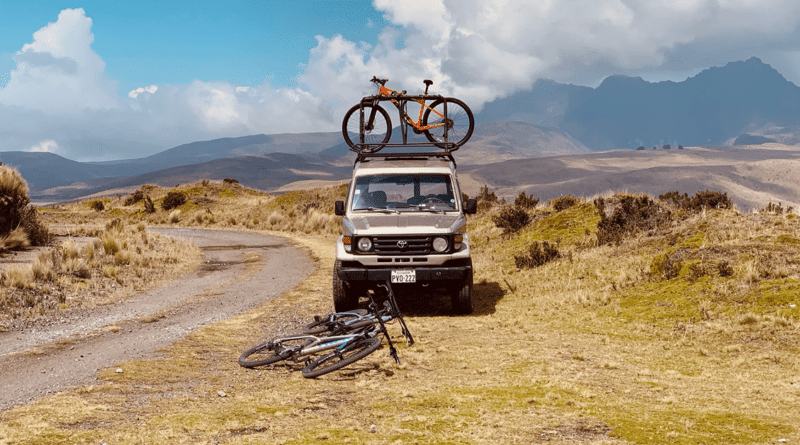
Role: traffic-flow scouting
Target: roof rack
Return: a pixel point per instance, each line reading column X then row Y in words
column 412, row 155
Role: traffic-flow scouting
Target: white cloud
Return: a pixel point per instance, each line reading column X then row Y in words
column 59, row 72
column 141, row 90
column 477, row 50
column 46, row 146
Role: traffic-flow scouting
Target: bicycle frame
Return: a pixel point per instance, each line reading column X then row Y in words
column 399, row 99
column 320, row 344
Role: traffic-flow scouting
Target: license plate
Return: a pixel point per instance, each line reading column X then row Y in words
column 404, row 276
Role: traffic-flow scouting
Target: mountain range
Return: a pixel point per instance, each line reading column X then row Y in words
column 742, row 103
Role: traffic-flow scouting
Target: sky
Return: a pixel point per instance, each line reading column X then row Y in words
column 98, row 80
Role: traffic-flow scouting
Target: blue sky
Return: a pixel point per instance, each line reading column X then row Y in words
column 157, row 42
column 93, row 80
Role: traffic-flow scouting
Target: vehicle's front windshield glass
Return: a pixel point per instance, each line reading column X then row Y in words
column 409, row 192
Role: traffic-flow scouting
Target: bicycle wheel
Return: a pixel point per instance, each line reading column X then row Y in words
column 270, row 352
column 335, row 320
column 376, row 135
column 459, row 122
column 339, row 359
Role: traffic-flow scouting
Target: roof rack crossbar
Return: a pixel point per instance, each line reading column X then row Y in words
column 410, row 155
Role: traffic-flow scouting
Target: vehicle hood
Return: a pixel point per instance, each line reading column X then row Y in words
column 404, row 223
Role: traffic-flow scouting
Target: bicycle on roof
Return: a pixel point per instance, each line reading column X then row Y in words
column 447, row 122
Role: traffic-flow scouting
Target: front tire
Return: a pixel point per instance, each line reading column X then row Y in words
column 375, row 137
column 339, row 359
column 462, row 298
column 344, row 299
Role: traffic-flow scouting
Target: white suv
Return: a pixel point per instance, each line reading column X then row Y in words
column 404, row 222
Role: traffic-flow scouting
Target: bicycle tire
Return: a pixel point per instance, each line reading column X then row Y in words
column 325, row 324
column 339, row 359
column 265, row 354
column 460, row 123
column 376, row 138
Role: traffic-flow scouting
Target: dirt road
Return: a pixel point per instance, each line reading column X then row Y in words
column 240, row 270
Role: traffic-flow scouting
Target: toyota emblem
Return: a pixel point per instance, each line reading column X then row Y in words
column 402, row 244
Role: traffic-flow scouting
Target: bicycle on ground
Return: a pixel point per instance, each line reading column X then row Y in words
column 349, row 336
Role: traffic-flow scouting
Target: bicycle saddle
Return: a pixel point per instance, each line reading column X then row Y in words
column 427, row 82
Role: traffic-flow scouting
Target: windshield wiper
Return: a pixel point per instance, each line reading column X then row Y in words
column 378, row 209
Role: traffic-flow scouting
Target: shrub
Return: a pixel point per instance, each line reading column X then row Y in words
column 97, row 205
column 701, row 200
column 776, row 208
column 630, row 214
column 149, row 207
column 38, row 234
column 13, row 199
column 172, row 200
column 134, row 197
column 665, row 266
column 512, row 219
column 538, row 253
column 563, row 202
column 526, row 201
column 230, row 181
column 486, row 199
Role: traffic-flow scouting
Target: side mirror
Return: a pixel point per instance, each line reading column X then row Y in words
column 471, row 207
column 339, row 208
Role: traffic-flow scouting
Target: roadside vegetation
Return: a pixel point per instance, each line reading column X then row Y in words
column 614, row 319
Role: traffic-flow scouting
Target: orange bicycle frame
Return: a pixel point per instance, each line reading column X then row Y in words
column 388, row 92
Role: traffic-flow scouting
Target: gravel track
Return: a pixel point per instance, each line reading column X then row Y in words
column 230, row 281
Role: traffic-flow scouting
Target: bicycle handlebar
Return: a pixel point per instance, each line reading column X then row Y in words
column 380, row 81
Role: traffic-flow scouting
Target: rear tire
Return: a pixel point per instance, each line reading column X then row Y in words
column 261, row 355
column 336, row 360
column 460, row 123
column 344, row 299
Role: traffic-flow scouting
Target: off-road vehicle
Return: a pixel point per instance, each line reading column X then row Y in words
column 404, row 221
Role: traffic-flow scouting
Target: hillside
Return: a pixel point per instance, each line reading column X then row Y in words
column 691, row 319
column 751, row 177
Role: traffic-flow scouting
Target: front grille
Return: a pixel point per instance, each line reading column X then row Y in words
column 402, row 245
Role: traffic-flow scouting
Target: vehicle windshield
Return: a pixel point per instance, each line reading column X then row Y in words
column 405, row 192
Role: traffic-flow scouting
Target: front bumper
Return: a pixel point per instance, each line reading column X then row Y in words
column 424, row 274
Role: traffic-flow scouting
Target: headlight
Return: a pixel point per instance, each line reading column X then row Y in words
column 440, row 244
column 364, row 244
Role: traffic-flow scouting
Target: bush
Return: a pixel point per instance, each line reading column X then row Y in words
column 538, row 253
column 172, row 200
column 630, row 214
column 701, row 200
column 149, row 207
column 526, row 201
column 97, row 205
column 13, row 199
column 134, row 197
column 486, row 199
column 563, row 202
column 38, row 233
column 512, row 219
column 230, row 181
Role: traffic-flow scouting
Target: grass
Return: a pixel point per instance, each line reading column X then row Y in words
column 108, row 265
column 592, row 347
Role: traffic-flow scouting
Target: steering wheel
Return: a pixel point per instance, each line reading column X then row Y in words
column 433, row 199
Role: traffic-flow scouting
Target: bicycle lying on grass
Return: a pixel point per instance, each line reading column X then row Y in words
column 447, row 122
column 350, row 336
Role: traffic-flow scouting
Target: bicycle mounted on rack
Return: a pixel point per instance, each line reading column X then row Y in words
column 447, row 122
column 404, row 217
